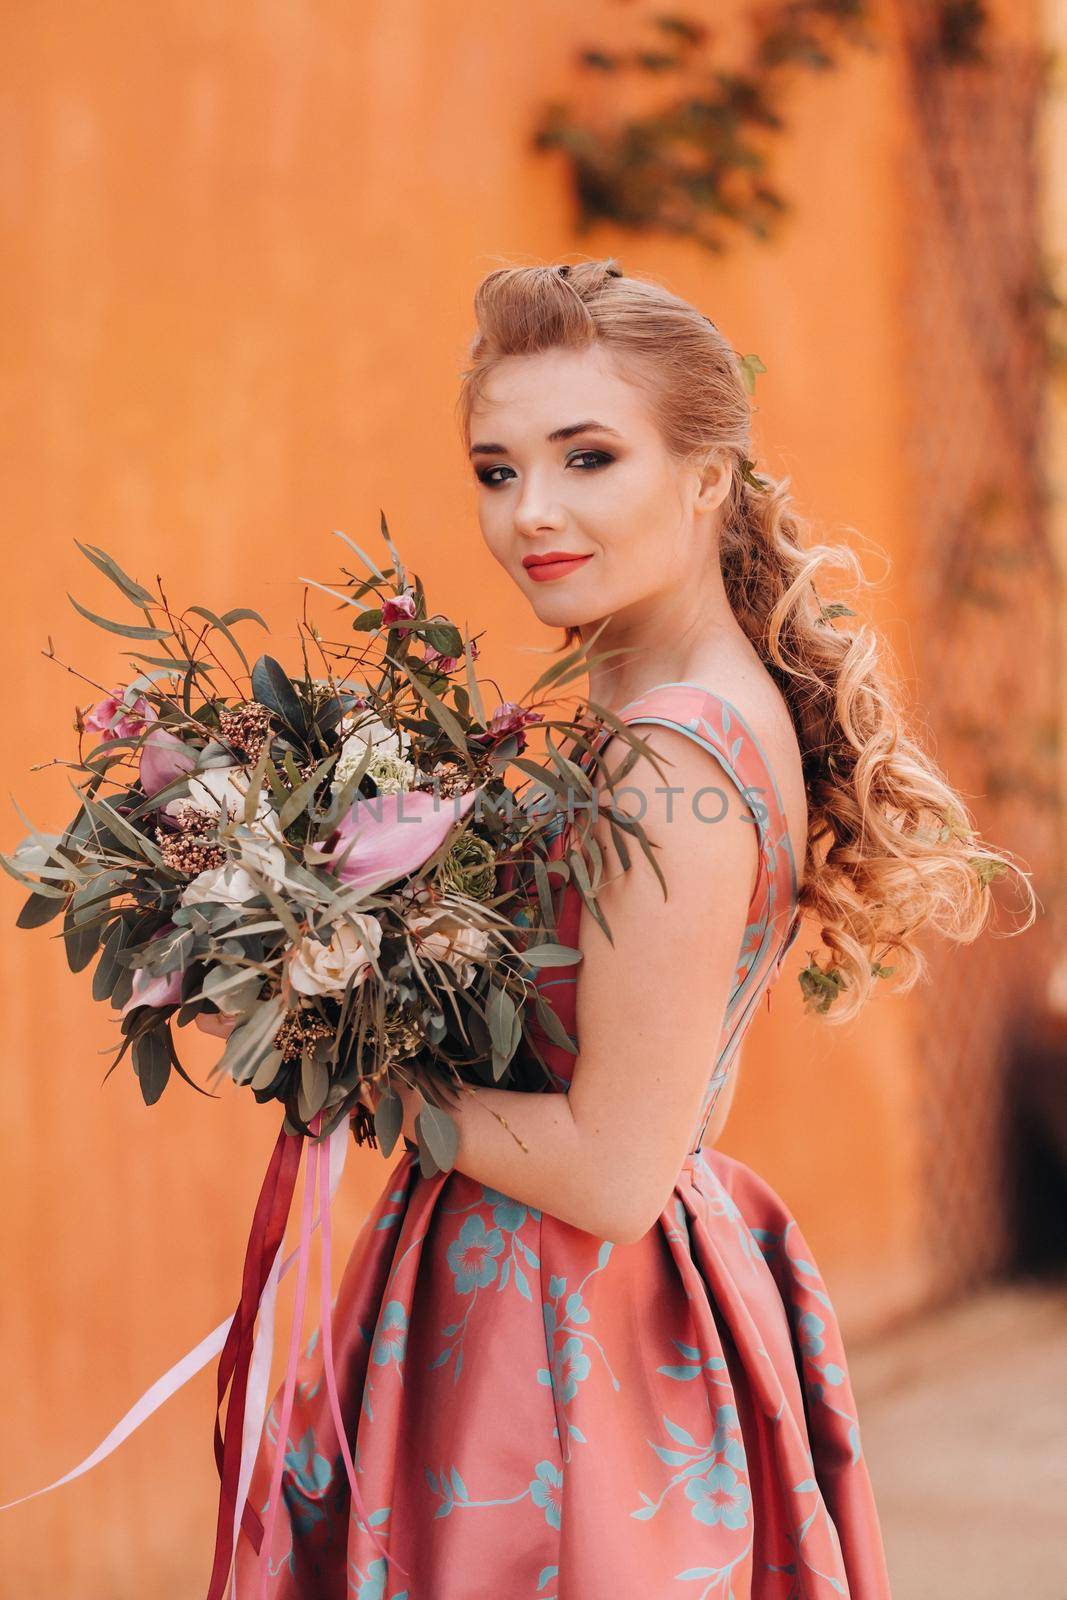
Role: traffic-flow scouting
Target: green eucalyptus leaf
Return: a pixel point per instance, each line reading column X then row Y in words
column 444, row 637
column 232, row 989
column 170, row 952
column 41, row 907
column 222, row 626
column 437, row 1135
column 251, row 1040
column 372, row 566
column 500, row 1016
column 243, row 614
column 301, row 796
column 126, row 629
column 180, row 1070
column 108, row 968
column 437, row 709
column 314, row 1085
column 551, row 1025
column 267, row 1070
column 472, row 686
column 151, row 1062
column 551, row 955
column 82, row 927
column 123, row 989
column 111, row 569
column 43, row 889
column 106, row 817
column 368, row 621
column 388, row 1120
column 345, row 599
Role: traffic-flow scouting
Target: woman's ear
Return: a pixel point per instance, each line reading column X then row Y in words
column 715, row 478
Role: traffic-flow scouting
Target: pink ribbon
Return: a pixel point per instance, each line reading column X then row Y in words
column 268, row 1229
column 262, row 1261
column 303, row 1260
column 326, row 1321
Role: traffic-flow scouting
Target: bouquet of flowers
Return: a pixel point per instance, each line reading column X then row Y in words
column 328, row 871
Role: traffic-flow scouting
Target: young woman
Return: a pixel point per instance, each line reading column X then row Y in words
column 602, row 1364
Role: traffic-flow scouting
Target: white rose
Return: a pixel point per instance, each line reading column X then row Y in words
column 222, row 790
column 263, row 856
column 317, row 968
column 457, row 944
column 221, row 886
column 369, row 730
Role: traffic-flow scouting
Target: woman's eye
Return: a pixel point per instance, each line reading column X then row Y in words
column 485, row 476
column 596, row 458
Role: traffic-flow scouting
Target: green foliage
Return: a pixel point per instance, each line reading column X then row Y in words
column 206, row 879
column 698, row 164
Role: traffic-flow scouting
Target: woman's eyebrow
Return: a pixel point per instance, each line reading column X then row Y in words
column 552, row 438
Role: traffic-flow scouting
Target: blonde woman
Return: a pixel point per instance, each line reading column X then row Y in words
column 601, row 1363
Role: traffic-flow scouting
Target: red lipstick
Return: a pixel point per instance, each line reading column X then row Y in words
column 550, row 564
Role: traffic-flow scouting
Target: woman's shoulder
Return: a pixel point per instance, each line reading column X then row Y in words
column 744, row 720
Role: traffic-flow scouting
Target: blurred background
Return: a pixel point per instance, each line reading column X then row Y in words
column 241, row 246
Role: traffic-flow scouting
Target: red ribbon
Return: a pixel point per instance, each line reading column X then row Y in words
column 264, row 1242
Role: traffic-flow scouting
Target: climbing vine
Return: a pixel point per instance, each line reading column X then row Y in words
column 701, row 163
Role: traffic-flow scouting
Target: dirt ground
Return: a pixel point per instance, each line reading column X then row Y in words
column 963, row 1420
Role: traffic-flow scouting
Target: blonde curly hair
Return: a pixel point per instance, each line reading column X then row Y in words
column 891, row 845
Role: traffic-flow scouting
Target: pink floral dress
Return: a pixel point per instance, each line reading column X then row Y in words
column 535, row 1413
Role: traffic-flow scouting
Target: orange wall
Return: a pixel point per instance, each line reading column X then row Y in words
column 245, row 240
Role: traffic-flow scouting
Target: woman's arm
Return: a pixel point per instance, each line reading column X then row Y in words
column 605, row 1156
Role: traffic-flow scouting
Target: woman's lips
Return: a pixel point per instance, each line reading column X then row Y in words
column 543, row 571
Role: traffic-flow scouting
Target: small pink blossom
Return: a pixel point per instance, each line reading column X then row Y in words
column 115, row 720
column 399, row 607
column 509, row 718
column 164, row 757
column 434, row 658
column 160, row 989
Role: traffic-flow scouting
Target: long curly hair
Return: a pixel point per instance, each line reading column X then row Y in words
column 891, row 845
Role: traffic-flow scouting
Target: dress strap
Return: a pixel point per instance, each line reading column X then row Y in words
column 717, row 724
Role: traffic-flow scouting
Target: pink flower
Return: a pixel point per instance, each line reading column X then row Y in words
column 114, row 720
column 509, row 718
column 387, row 837
column 162, row 989
column 164, row 757
column 434, row 658
column 399, row 607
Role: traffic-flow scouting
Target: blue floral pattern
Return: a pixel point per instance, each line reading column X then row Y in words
column 536, row 1412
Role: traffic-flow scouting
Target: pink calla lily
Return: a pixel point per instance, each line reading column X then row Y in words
column 392, row 835
column 164, row 989
column 164, row 757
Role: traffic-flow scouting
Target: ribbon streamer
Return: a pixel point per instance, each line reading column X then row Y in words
column 290, row 1384
column 187, row 1367
column 326, row 1321
column 245, row 1355
column 263, row 1349
column 268, row 1229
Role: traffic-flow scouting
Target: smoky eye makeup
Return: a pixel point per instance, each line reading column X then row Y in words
column 600, row 458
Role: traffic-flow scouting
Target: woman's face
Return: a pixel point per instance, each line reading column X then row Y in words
column 569, row 462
